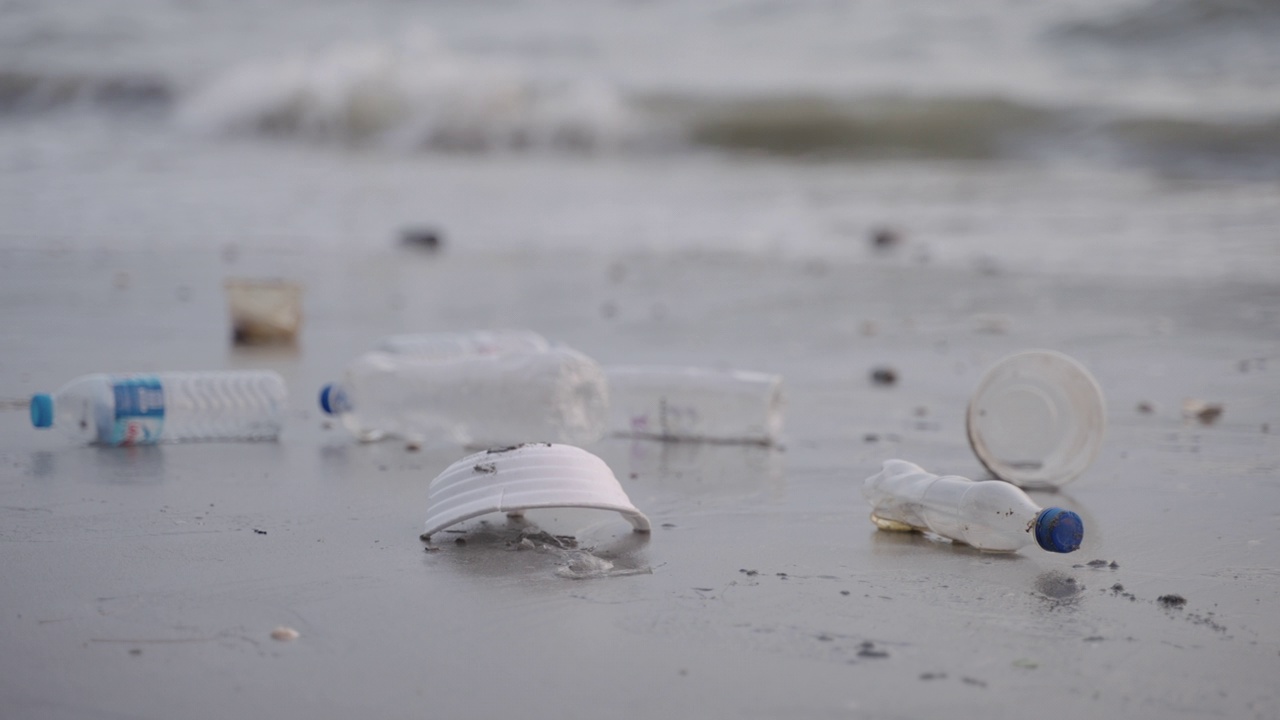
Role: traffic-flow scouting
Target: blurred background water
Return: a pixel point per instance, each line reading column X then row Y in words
column 1128, row 138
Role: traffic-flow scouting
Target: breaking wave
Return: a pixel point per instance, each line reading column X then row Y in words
column 414, row 95
column 417, row 96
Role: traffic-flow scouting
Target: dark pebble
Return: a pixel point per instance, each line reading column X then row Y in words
column 883, row 238
column 884, row 376
column 425, row 238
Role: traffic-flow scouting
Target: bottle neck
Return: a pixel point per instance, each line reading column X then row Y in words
column 334, row 400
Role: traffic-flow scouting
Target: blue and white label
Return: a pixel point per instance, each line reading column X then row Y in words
column 139, row 414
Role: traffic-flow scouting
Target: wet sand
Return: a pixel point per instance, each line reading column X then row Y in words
column 146, row 582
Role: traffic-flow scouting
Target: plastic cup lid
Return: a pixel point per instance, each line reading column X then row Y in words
column 1037, row 419
column 525, row 477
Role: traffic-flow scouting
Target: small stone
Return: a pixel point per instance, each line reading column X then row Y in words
column 883, row 238
column 1171, row 600
column 884, row 376
column 1206, row 413
column 284, row 634
column 425, row 238
column 1145, row 408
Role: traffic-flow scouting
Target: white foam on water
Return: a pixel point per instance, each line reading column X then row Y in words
column 410, row 94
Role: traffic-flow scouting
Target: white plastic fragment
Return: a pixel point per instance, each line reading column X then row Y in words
column 526, row 477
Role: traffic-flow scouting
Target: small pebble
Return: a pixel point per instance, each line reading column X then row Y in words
column 1206, row 413
column 883, row 238
column 884, row 376
column 284, row 634
column 425, row 238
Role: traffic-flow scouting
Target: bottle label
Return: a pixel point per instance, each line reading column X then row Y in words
column 139, row 410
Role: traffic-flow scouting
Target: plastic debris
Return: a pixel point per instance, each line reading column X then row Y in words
column 264, row 311
column 525, row 477
column 1037, row 419
column 988, row 515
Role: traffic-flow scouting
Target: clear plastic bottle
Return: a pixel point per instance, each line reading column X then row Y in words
column 692, row 403
column 559, row 395
column 989, row 515
column 442, row 345
column 138, row 409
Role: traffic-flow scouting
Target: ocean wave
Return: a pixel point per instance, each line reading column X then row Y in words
column 411, row 95
column 417, row 96
column 1182, row 20
column 1246, row 146
column 872, row 127
column 24, row 91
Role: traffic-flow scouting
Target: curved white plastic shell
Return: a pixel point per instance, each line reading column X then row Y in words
column 526, row 477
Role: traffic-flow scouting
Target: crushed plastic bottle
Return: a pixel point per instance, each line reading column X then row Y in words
column 648, row 401
column 990, row 515
column 691, row 403
column 139, row 409
column 559, row 395
column 442, row 345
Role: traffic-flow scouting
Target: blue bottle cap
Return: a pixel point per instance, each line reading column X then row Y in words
column 42, row 410
column 1059, row 530
column 326, row 395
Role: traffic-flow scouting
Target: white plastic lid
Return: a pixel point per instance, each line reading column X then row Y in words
column 1037, row 419
column 525, row 477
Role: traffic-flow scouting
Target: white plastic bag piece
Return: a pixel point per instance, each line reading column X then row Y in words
column 526, row 477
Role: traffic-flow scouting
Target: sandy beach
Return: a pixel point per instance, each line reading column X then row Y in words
column 146, row 582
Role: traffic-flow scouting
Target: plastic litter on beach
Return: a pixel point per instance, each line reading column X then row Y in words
column 1037, row 419
column 526, row 477
column 989, row 515
column 141, row 409
column 657, row 402
column 447, row 345
column 264, row 311
column 473, row 400
column 692, row 403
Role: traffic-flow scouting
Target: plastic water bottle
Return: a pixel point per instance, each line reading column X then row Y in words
column 989, row 515
column 652, row 401
column 458, row 344
column 691, row 403
column 559, row 395
column 139, row 409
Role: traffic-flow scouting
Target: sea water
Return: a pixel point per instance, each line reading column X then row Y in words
column 1090, row 136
